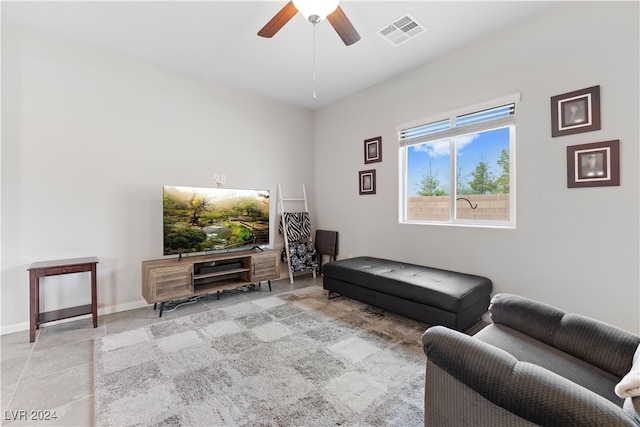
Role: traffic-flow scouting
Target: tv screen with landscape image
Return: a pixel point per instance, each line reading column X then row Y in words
column 214, row 219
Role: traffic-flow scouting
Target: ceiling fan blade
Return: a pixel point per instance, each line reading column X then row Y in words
column 278, row 21
column 345, row 29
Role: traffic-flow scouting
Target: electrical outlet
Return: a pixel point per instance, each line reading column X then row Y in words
column 216, row 178
column 223, row 179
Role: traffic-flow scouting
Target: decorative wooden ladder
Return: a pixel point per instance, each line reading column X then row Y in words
column 281, row 202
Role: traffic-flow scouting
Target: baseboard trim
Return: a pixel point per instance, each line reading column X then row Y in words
column 24, row 326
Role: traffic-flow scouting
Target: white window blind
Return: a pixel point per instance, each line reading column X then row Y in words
column 503, row 115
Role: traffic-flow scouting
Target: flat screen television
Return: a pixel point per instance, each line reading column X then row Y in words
column 201, row 220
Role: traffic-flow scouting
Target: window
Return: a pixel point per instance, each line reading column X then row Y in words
column 458, row 168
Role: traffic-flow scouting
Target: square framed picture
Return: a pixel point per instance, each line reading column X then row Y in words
column 373, row 150
column 367, row 181
column 593, row 165
column 575, row 112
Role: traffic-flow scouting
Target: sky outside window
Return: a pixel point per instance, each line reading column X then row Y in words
column 471, row 150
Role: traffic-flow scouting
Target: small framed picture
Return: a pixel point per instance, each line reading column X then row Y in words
column 575, row 112
column 593, row 165
column 373, row 150
column 367, row 181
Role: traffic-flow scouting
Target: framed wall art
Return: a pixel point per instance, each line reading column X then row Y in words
column 367, row 181
column 575, row 112
column 373, row 150
column 593, row 165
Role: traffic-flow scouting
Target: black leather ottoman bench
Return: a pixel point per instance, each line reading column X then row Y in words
column 430, row 295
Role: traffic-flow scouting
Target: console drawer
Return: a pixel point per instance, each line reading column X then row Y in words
column 65, row 270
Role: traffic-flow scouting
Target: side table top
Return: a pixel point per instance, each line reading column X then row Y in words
column 63, row 262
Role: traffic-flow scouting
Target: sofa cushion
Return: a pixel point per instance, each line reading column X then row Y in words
column 444, row 289
column 527, row 349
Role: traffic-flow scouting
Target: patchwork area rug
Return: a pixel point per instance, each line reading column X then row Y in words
column 295, row 359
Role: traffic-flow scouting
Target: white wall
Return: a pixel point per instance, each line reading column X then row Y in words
column 88, row 139
column 575, row 248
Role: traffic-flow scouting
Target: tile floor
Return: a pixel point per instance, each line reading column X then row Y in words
column 54, row 375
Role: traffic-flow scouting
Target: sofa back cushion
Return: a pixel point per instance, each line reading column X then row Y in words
column 600, row 344
column 596, row 342
column 538, row 320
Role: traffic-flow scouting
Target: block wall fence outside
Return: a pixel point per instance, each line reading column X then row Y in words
column 436, row 208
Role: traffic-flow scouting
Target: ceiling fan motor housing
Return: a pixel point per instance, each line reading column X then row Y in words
column 316, row 10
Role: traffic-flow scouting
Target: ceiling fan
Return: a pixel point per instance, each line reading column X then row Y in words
column 314, row 11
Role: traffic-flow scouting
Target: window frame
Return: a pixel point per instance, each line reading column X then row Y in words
column 453, row 131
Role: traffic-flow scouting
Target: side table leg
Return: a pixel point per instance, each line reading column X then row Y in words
column 33, row 305
column 94, row 295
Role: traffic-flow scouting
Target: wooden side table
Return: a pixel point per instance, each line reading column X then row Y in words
column 54, row 268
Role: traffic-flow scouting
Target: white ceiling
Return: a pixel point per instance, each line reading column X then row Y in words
column 217, row 40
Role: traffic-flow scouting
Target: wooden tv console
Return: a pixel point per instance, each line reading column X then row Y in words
column 165, row 280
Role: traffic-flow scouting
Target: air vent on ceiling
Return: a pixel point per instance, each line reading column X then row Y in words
column 402, row 30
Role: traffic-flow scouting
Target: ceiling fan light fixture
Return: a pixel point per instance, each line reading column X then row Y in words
column 316, row 10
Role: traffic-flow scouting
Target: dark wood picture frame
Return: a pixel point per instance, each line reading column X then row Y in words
column 594, row 165
column 367, row 181
column 373, row 150
column 575, row 112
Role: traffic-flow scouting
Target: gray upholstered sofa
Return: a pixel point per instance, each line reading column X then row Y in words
column 534, row 365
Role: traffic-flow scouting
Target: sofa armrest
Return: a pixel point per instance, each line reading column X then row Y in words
column 526, row 390
column 600, row 344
